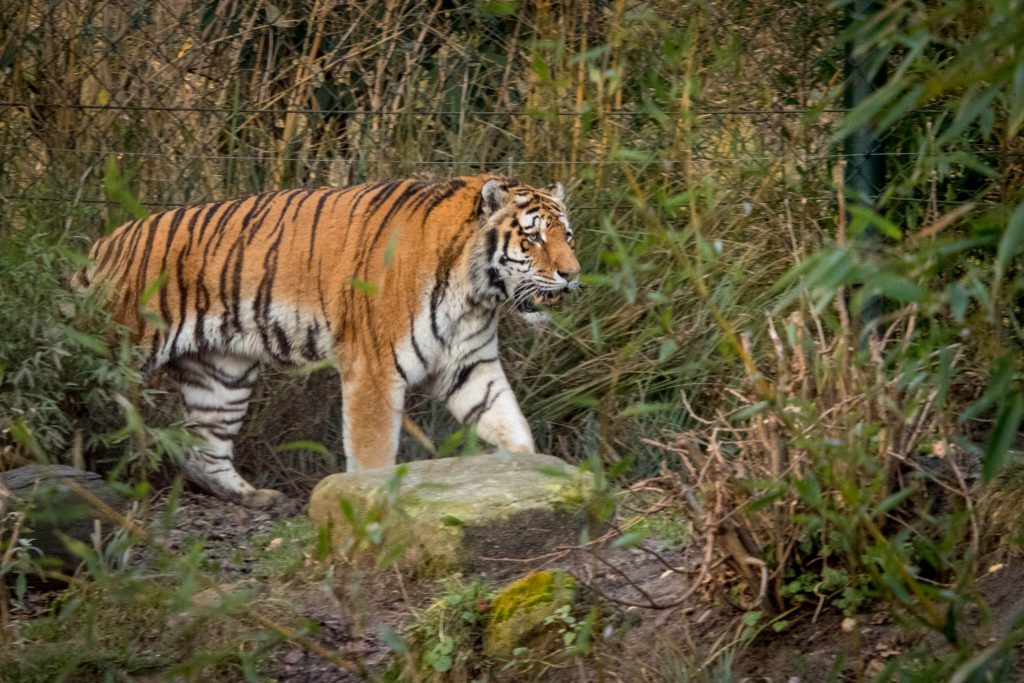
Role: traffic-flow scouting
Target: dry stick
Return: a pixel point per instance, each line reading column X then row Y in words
column 653, row 553
column 419, row 435
column 581, row 74
column 139, row 532
column 302, row 74
column 413, row 54
column 651, row 604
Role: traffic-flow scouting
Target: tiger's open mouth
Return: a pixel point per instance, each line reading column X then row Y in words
column 533, row 303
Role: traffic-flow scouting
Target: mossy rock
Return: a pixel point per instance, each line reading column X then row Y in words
column 520, row 609
column 435, row 516
column 60, row 503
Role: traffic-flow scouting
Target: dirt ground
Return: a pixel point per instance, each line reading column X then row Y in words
column 637, row 642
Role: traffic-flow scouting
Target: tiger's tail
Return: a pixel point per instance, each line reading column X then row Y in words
column 78, row 283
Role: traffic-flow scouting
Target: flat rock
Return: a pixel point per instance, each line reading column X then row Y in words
column 433, row 516
column 58, row 501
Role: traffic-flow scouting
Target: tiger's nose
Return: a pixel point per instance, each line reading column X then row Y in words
column 569, row 275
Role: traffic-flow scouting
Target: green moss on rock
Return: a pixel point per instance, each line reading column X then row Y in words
column 520, row 609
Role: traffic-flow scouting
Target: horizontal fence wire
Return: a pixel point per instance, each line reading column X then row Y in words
column 420, row 112
column 745, row 205
column 786, row 154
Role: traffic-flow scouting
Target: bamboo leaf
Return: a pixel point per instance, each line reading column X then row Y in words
column 1003, row 433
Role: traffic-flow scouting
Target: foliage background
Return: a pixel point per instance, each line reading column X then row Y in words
column 832, row 387
column 175, row 102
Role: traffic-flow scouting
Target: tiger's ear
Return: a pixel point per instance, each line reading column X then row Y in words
column 493, row 196
column 557, row 191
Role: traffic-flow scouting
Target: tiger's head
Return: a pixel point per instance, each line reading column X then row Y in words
column 529, row 245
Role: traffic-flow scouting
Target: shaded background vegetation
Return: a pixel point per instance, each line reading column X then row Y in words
column 722, row 339
column 166, row 103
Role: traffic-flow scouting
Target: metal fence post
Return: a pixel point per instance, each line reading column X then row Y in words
column 864, row 176
column 865, row 161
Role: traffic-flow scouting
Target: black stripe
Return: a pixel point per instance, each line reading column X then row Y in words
column 210, row 211
column 215, row 456
column 489, row 339
column 117, row 242
column 452, row 187
column 310, row 350
column 298, row 207
column 398, row 366
column 316, row 222
column 416, row 347
column 226, row 379
column 219, row 423
column 399, row 202
column 482, row 406
column 381, row 197
column 464, row 373
column 221, row 436
column 193, row 380
column 204, row 408
column 147, row 252
column 262, row 220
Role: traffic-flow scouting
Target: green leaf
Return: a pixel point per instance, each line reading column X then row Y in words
column 749, row 411
column 971, row 107
column 347, row 511
column 451, row 520
column 646, row 409
column 958, row 299
column 152, row 288
column 1003, row 433
column 751, row 618
column 540, row 67
column 1010, row 242
column 896, row 287
column 117, row 191
column 867, row 110
column 499, row 8
column 389, row 252
column 999, row 384
column 631, row 538
column 305, row 445
column 665, row 351
column 323, row 544
column 441, row 663
column 88, row 341
column 394, row 641
column 364, row 286
column 863, row 217
column 892, row 501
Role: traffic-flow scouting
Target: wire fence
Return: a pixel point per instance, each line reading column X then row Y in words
column 181, row 101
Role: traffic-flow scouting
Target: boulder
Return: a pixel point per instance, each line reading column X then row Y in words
column 523, row 611
column 435, row 516
column 56, row 508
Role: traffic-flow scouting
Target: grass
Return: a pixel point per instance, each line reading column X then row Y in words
column 138, row 627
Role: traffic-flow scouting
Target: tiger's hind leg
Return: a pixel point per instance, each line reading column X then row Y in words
column 216, row 388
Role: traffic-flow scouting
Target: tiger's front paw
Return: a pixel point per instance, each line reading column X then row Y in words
column 262, row 499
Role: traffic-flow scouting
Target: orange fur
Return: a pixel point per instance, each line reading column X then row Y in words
column 300, row 275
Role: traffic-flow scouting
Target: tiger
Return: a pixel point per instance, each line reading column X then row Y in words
column 399, row 284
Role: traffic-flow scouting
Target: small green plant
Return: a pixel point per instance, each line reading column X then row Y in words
column 445, row 639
